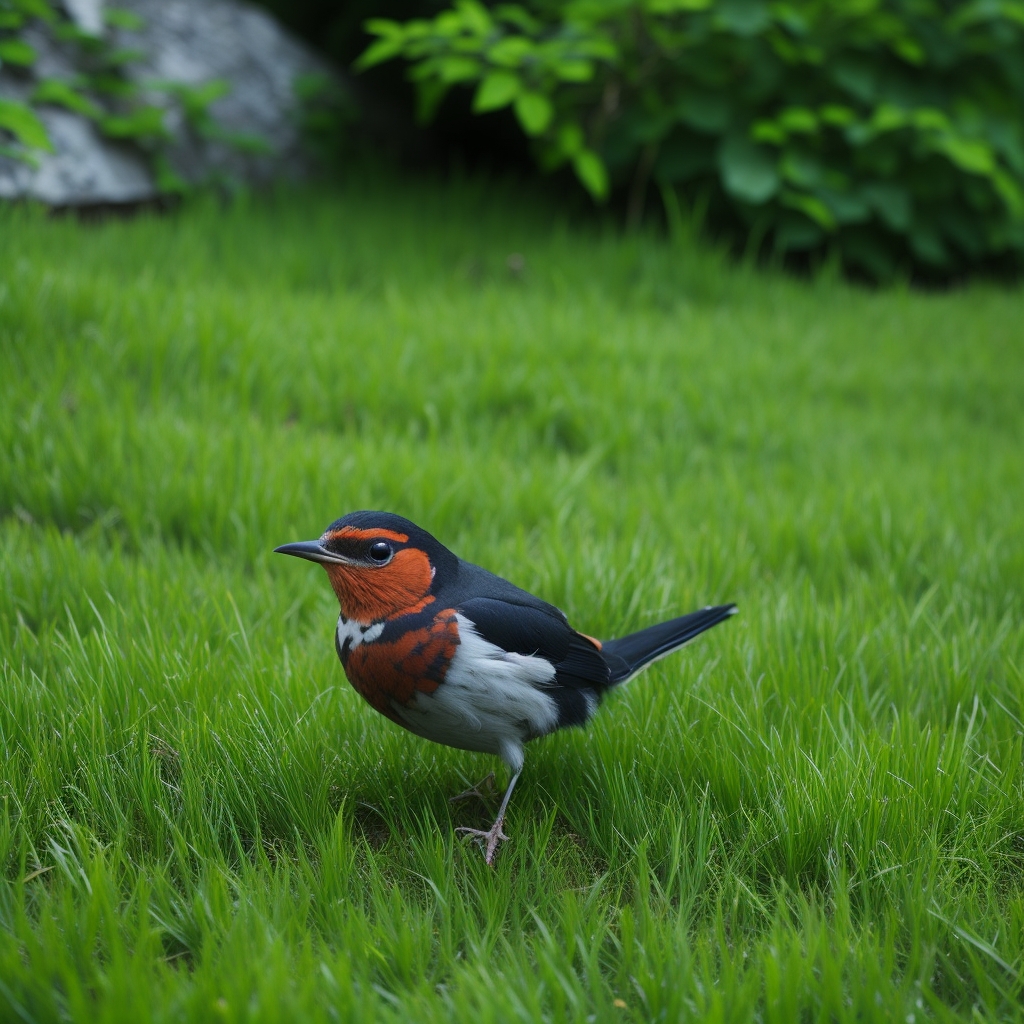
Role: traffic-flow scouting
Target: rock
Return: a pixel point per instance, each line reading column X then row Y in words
column 86, row 14
column 187, row 42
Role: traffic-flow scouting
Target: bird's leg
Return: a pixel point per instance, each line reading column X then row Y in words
column 489, row 840
column 487, row 780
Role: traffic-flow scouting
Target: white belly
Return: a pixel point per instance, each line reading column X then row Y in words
column 491, row 701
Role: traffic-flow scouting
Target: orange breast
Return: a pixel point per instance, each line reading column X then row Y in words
column 417, row 662
column 371, row 593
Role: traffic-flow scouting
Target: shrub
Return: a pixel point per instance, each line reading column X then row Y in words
column 891, row 131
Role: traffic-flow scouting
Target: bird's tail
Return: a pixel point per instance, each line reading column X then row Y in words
column 630, row 654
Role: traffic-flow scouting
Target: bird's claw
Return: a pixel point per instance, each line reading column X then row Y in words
column 488, row 840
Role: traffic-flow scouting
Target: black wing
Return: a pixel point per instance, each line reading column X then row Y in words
column 529, row 629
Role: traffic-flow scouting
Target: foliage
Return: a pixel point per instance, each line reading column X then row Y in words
column 815, row 813
column 890, row 130
column 101, row 91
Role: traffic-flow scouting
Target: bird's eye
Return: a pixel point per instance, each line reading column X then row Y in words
column 380, row 551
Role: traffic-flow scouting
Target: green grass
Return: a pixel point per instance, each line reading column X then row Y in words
column 815, row 813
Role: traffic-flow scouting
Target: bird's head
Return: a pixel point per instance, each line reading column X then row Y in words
column 379, row 564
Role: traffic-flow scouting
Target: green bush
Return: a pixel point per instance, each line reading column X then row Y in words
column 891, row 131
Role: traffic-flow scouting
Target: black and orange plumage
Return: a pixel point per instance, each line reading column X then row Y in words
column 460, row 656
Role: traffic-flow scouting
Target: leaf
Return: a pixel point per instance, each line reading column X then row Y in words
column 380, row 51
column 767, row 131
column 590, row 169
column 674, row 6
column 11, row 19
column 748, row 171
column 475, row 16
column 1010, row 191
column 798, row 119
column 21, row 155
column 706, row 111
column 534, row 112
column 511, row 51
column 118, row 18
column 574, row 70
column 38, row 8
column 429, row 94
column 801, row 168
column 928, row 245
column 890, row 201
column 570, row 139
column 23, row 124
column 971, row 155
column 910, row 50
column 812, row 206
column 61, row 94
column 456, row 68
column 743, row 17
column 14, row 51
column 837, row 115
column 498, row 89
column 145, row 122
column 168, row 180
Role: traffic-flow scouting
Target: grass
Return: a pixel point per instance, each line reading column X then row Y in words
column 816, row 813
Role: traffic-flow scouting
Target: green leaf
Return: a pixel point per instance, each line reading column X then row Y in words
column 534, row 112
column 118, row 18
column 570, row 139
column 798, row 119
column 928, row 245
column 768, row 131
column 11, row 19
column 971, row 155
column 837, row 115
column 744, row 17
column 706, row 111
column 475, row 16
column 498, row 89
column 145, row 122
column 590, row 169
column 168, row 180
column 511, row 51
column 675, row 6
column 910, row 50
column 574, row 70
column 812, row 206
column 429, row 93
column 380, row 51
column 891, row 202
column 14, row 51
column 61, row 94
column 801, row 168
column 1010, row 191
column 748, row 171
column 456, row 68
column 24, row 125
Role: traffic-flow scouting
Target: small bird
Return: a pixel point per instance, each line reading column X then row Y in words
column 460, row 656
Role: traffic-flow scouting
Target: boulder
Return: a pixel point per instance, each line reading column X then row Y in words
column 187, row 42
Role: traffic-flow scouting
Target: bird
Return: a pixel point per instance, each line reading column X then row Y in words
column 458, row 655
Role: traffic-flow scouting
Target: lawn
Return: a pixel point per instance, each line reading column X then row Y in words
column 816, row 812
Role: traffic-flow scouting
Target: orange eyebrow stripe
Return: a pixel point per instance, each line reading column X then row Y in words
column 352, row 533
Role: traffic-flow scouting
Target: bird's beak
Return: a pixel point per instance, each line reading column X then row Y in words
column 311, row 549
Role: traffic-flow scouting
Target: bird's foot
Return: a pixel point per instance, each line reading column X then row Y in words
column 488, row 840
column 486, row 782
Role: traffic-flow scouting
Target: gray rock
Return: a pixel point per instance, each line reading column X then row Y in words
column 189, row 42
column 86, row 14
